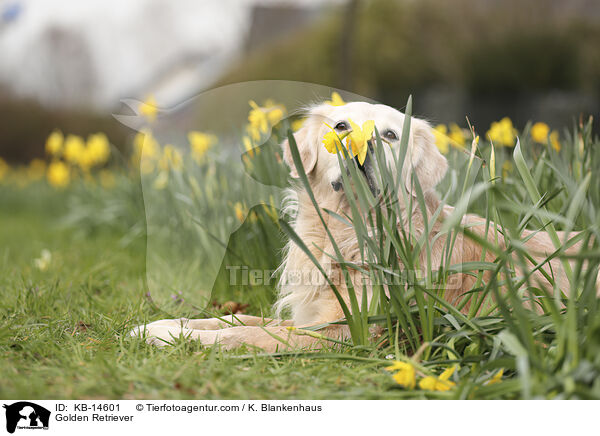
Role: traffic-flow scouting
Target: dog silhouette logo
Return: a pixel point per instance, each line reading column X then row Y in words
column 26, row 415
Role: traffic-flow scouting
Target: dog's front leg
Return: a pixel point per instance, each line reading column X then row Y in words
column 269, row 339
column 214, row 323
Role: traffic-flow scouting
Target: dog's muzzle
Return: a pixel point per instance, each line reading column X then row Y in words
column 366, row 169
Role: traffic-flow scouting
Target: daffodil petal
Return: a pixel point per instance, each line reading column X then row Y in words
column 368, row 127
column 447, row 373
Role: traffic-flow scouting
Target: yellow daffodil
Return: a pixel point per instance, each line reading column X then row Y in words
column 445, row 137
column 161, row 181
column 440, row 383
column 405, row 375
column 54, row 143
column 253, row 132
column 358, row 138
column 149, row 108
column 200, row 143
column 257, row 118
column 36, row 170
column 332, row 141
column 249, row 146
column 146, row 150
column 497, row 378
column 97, row 149
column 3, row 169
column 554, row 142
column 171, row 158
column 502, row 133
column 440, row 132
column 539, row 132
column 457, row 135
column 275, row 115
column 58, row 174
column 145, row 143
column 336, row 100
column 260, row 119
column 74, row 149
column 297, row 124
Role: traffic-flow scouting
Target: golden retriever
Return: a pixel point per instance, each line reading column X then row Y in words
column 311, row 301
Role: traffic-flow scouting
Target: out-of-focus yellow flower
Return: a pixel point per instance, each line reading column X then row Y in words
column 240, row 211
column 405, row 375
column 440, row 132
column 98, row 149
column 4, row 168
column 253, row 132
column 107, row 179
column 74, row 149
column 440, row 383
column 54, row 143
column 457, row 135
column 249, row 146
column 58, row 174
column 200, row 143
column 297, row 124
column 275, row 115
column 258, row 118
column 171, row 158
column 502, row 133
column 85, row 161
column 539, row 132
column 161, row 181
column 336, row 100
column 36, row 170
column 145, row 144
column 497, row 378
column 149, row 108
column 146, row 150
column 261, row 118
column 43, row 262
column 275, row 111
column 554, row 142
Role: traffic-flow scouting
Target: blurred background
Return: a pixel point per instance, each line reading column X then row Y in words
column 67, row 64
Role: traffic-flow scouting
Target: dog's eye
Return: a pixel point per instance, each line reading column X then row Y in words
column 342, row 125
column 390, row 135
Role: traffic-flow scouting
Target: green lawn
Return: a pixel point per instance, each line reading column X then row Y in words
column 61, row 330
column 63, row 327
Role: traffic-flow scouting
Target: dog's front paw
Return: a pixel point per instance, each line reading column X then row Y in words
column 158, row 334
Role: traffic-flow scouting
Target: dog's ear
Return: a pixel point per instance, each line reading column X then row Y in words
column 307, row 139
column 306, row 149
column 428, row 164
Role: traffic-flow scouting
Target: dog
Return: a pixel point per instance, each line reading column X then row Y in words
column 312, row 303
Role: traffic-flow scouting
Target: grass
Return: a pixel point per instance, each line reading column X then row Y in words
column 63, row 329
column 60, row 330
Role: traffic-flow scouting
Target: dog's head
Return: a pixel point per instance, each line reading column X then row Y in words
column 422, row 156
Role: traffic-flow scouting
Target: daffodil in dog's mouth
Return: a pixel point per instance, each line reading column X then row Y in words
column 355, row 140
